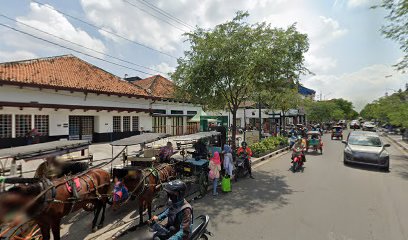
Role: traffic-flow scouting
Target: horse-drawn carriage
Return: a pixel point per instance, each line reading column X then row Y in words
column 196, row 149
column 11, row 165
column 314, row 141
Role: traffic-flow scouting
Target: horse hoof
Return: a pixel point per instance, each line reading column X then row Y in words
column 94, row 229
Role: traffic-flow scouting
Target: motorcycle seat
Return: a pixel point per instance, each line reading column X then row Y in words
column 199, row 224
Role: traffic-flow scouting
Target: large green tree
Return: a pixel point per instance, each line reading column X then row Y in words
column 391, row 109
column 346, row 107
column 235, row 60
column 324, row 111
column 396, row 26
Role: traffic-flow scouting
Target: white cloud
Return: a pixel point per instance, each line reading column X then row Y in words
column 360, row 87
column 357, row 3
column 163, row 69
column 48, row 20
column 8, row 56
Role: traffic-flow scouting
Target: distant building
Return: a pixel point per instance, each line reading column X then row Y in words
column 248, row 114
column 66, row 97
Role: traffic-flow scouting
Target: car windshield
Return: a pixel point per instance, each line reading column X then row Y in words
column 363, row 140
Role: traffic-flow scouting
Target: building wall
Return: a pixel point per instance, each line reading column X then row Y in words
column 103, row 120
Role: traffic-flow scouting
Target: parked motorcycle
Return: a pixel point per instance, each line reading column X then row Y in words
column 297, row 162
column 240, row 169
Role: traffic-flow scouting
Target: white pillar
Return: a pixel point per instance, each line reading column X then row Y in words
column 13, row 125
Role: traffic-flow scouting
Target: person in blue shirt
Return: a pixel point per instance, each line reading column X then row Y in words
column 179, row 214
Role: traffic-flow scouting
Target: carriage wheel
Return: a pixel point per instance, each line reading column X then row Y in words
column 27, row 231
column 203, row 184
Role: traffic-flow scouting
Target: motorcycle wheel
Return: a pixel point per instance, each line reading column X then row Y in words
column 294, row 167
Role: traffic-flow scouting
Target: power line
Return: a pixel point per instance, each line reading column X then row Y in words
column 102, row 53
column 161, row 19
column 59, row 45
column 164, row 13
column 104, row 30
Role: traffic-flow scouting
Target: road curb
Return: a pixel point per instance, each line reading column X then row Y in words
column 399, row 144
column 267, row 156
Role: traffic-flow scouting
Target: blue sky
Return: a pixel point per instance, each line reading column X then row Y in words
column 348, row 55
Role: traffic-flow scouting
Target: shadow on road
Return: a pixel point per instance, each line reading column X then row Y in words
column 366, row 168
column 248, row 196
column 78, row 225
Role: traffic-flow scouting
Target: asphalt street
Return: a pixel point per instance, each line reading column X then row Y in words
column 326, row 201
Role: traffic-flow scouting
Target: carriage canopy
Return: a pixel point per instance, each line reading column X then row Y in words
column 138, row 139
column 42, row 150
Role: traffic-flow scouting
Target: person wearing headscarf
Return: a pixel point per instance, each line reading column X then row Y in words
column 228, row 161
column 215, row 167
column 166, row 152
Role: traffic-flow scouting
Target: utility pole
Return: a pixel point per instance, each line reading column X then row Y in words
column 260, row 119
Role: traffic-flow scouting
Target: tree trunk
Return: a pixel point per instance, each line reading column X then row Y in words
column 234, row 127
column 284, row 121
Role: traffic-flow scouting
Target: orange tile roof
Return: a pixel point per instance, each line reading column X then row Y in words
column 66, row 72
column 158, row 85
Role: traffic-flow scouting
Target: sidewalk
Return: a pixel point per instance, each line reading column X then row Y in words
column 397, row 139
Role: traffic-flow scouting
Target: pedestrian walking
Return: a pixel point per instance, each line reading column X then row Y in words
column 214, row 174
column 228, row 161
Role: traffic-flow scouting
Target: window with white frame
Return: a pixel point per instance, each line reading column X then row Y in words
column 23, row 125
column 41, row 123
column 116, row 124
column 5, row 125
column 126, row 123
column 135, row 123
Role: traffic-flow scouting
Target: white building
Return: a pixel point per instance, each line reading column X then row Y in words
column 66, row 97
column 248, row 114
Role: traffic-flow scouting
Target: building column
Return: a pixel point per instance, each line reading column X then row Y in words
column 33, row 121
column 13, row 125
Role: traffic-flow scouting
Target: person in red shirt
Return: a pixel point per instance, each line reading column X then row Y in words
column 245, row 151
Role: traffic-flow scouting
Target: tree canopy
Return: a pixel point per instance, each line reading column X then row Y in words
column 396, row 26
column 232, row 62
column 331, row 110
column 391, row 109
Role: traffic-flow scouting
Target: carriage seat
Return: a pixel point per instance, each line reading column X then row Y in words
column 151, row 152
column 142, row 161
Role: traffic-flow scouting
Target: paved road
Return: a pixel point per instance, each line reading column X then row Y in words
column 327, row 201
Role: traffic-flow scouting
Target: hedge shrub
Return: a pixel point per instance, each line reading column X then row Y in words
column 268, row 145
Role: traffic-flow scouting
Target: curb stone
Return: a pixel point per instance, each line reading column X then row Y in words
column 399, row 144
column 267, row 156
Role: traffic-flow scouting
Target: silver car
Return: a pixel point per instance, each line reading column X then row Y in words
column 366, row 148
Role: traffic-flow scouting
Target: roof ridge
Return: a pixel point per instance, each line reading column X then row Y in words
column 39, row 59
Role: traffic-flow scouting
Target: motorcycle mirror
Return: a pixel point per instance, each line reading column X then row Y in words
column 344, row 141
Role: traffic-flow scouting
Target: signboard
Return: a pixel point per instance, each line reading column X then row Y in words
column 251, row 137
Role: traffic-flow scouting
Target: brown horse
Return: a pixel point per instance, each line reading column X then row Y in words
column 49, row 209
column 144, row 182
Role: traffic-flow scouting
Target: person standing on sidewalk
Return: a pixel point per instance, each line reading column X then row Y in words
column 228, row 162
column 214, row 174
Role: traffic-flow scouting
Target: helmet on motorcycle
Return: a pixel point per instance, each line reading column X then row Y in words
column 175, row 190
column 244, row 144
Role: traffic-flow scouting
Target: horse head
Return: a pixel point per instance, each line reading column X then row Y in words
column 15, row 199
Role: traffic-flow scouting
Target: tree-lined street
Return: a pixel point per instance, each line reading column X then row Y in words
column 327, row 201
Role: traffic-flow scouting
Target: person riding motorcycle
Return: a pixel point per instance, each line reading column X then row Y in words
column 301, row 145
column 246, row 152
column 179, row 214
